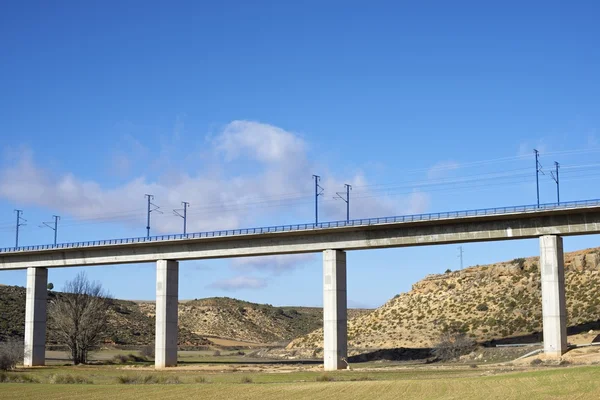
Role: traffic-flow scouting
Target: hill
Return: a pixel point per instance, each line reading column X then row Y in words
column 224, row 317
column 128, row 325
column 488, row 302
column 133, row 323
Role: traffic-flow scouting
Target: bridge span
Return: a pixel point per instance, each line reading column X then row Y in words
column 547, row 222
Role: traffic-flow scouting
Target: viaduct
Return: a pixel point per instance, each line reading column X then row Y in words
column 548, row 222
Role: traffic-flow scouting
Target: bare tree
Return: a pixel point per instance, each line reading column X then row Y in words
column 453, row 345
column 78, row 317
column 11, row 353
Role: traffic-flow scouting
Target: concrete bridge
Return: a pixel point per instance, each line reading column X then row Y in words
column 547, row 222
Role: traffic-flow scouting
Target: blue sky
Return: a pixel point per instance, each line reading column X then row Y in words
column 232, row 106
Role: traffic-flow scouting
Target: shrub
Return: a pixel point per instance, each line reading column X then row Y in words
column 125, row 379
column 6, row 377
column 124, row 359
column 217, row 353
column 149, row 379
column 147, row 351
column 201, row 379
column 68, row 379
column 482, row 307
column 453, row 345
column 246, row 379
column 536, row 361
column 11, row 353
column 325, row 378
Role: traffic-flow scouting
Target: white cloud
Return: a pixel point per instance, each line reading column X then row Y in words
column 262, row 142
column 274, row 164
column 239, row 283
column 526, row 148
column 274, row 264
column 441, row 169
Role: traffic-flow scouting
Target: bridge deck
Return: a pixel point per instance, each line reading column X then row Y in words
column 576, row 218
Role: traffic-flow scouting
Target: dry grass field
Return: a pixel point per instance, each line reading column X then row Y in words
column 111, row 382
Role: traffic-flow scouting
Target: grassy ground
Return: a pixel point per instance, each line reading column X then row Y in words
column 407, row 383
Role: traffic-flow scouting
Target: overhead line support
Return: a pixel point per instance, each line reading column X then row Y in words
column 184, row 215
column 20, row 222
column 318, row 192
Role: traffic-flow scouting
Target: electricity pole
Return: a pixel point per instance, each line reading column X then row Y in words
column 54, row 227
column 538, row 169
column 150, row 209
column 184, row 216
column 317, row 194
column 554, row 176
column 20, row 222
column 346, row 199
column 460, row 255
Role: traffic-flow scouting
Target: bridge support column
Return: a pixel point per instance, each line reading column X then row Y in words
column 35, row 317
column 167, row 288
column 554, row 311
column 335, row 326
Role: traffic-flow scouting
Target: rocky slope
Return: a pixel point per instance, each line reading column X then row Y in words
column 488, row 302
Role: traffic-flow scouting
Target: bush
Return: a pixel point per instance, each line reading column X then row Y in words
column 536, row 361
column 147, row 351
column 201, row 379
column 149, row 379
column 125, row 379
column 325, row 378
column 217, row 353
column 124, row 359
column 11, row 353
column 6, row 377
column 68, row 379
column 482, row 307
column 453, row 345
column 246, row 379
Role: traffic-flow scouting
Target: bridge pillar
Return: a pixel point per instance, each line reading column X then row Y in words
column 335, row 325
column 554, row 310
column 167, row 288
column 35, row 317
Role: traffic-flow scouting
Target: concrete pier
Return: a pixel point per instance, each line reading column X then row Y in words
column 167, row 297
column 35, row 317
column 554, row 311
column 335, row 324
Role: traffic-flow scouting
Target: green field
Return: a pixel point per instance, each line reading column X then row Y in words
column 405, row 383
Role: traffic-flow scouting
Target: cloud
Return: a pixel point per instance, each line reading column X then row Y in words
column 274, row 264
column 441, row 169
column 239, row 283
column 269, row 182
column 262, row 142
column 526, row 148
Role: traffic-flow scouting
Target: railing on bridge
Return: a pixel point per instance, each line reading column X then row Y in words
column 302, row 227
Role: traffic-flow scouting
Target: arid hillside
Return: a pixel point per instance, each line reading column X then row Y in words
column 229, row 318
column 488, row 302
column 133, row 323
